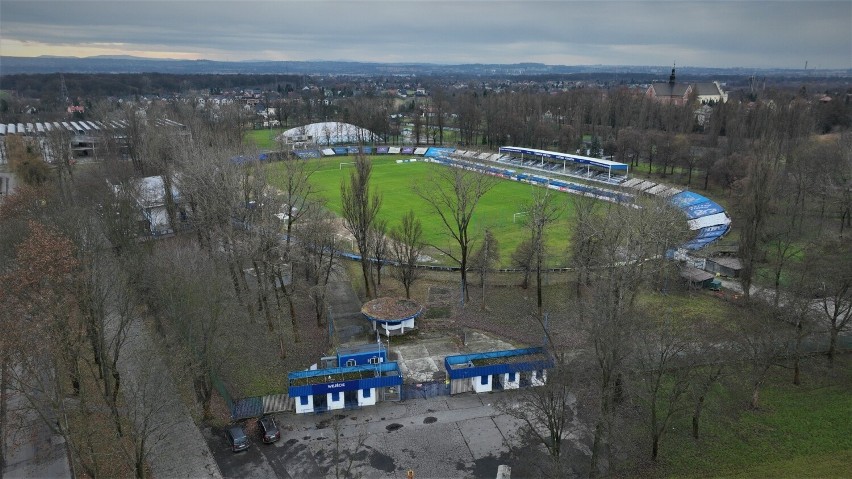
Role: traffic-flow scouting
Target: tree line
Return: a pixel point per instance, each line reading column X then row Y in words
column 252, row 253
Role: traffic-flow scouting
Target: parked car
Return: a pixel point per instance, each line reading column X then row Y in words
column 237, row 438
column 269, row 429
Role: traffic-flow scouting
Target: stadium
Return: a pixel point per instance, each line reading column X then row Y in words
column 602, row 179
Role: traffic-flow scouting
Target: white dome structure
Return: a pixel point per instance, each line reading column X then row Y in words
column 328, row 133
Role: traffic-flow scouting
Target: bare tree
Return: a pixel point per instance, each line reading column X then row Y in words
column 829, row 272
column 360, row 210
column 485, row 258
column 453, row 194
column 379, row 247
column 149, row 413
column 547, row 414
column 320, row 257
column 755, row 193
column 406, row 247
column 57, row 147
column 543, row 211
column 343, row 457
column 298, row 194
column 523, row 258
column 190, row 295
column 617, row 243
column 663, row 376
column 763, row 344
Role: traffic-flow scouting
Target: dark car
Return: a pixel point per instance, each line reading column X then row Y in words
column 237, row 438
column 269, row 429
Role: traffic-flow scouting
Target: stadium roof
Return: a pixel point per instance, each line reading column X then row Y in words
column 555, row 155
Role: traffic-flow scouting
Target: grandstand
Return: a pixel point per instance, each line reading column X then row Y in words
column 84, row 134
column 704, row 216
column 596, row 168
column 560, row 164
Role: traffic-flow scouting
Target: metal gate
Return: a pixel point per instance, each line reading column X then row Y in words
column 425, row 390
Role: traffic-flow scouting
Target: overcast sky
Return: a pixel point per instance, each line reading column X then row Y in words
column 707, row 33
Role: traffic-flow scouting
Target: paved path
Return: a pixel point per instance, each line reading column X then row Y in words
column 345, row 306
column 818, row 341
column 178, row 448
column 31, row 447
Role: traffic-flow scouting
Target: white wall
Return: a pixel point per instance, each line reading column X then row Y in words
column 370, row 401
column 511, row 384
column 339, row 404
column 538, row 382
column 309, row 407
column 479, row 387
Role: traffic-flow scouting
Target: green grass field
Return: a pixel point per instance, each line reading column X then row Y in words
column 263, row 139
column 801, row 431
column 396, row 183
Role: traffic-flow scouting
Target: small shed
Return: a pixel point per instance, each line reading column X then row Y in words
column 725, row 266
column 508, row 369
column 362, row 354
column 696, row 277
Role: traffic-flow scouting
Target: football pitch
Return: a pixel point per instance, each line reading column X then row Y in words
column 499, row 210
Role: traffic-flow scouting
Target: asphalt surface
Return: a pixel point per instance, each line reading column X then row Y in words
column 31, row 447
column 445, row 436
column 177, row 448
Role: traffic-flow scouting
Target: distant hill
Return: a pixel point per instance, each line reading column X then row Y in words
column 131, row 64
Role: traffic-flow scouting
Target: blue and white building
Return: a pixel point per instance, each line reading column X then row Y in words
column 329, row 389
column 508, row 369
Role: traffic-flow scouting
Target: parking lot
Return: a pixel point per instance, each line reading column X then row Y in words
column 444, row 436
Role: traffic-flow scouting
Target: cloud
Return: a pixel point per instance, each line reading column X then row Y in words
column 705, row 33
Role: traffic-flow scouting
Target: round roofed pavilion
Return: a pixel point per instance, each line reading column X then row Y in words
column 329, row 133
column 392, row 316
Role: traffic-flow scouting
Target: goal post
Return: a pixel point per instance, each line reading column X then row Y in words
column 346, row 163
column 520, row 213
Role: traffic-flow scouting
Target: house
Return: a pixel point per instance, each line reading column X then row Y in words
column 672, row 92
column 150, row 196
column 703, row 114
column 679, row 93
column 710, row 92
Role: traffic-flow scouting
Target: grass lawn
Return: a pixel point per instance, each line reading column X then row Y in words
column 396, row 183
column 263, row 139
column 690, row 307
column 802, row 431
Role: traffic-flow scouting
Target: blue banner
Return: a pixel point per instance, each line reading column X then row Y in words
column 699, row 210
column 686, row 198
column 335, row 387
